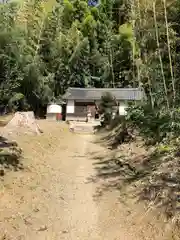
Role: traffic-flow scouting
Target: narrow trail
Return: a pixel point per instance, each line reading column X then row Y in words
column 56, row 200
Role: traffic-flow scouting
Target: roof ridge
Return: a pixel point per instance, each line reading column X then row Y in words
column 104, row 88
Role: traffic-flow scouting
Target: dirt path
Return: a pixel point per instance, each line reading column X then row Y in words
column 54, row 198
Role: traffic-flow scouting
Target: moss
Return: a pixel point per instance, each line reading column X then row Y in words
column 162, row 149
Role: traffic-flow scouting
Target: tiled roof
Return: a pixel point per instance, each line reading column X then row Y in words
column 96, row 93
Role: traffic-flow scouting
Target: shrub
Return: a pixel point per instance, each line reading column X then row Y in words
column 106, row 108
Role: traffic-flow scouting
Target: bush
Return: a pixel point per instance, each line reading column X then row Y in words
column 106, row 108
column 155, row 126
column 116, row 121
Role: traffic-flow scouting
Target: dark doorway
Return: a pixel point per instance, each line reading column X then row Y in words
column 82, row 108
column 96, row 115
column 64, row 112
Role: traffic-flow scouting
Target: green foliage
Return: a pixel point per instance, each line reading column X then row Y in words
column 44, row 49
column 154, row 125
column 144, row 52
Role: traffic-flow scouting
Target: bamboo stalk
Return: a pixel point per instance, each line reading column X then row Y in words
column 134, row 40
column 111, row 64
column 149, row 83
column 140, row 54
column 139, row 11
column 40, row 33
column 139, row 51
column 110, row 56
column 160, row 58
column 169, row 51
column 146, row 61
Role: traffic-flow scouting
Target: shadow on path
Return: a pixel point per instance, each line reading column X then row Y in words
column 154, row 178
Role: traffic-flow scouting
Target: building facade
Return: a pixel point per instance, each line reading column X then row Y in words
column 80, row 101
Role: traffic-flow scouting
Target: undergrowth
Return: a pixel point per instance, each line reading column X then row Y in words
column 10, row 156
column 152, row 171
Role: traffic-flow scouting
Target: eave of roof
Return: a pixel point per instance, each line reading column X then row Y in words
column 96, row 93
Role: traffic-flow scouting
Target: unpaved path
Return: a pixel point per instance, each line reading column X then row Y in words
column 54, row 198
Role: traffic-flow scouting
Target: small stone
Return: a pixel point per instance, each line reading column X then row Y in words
column 43, row 228
column 27, row 222
column 21, row 237
column 36, row 210
column 2, row 173
column 4, row 237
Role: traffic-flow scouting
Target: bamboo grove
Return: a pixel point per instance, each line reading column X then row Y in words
column 47, row 46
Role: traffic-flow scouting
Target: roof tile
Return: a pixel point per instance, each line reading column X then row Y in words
column 96, row 93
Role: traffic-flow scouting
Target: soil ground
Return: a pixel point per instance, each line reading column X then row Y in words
column 59, row 196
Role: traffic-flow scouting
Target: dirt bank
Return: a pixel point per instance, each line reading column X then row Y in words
column 59, row 196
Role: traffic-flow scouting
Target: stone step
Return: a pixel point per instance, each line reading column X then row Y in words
column 82, row 128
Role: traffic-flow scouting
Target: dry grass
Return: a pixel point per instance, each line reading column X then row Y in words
column 21, row 187
column 22, row 152
column 146, row 176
